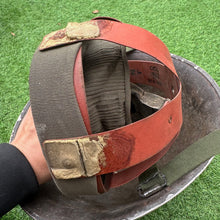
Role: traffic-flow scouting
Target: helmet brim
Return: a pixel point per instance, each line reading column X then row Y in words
column 200, row 118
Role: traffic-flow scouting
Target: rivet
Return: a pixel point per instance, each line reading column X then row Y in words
column 67, row 163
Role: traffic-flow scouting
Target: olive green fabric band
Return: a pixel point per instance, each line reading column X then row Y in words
column 191, row 157
column 54, row 106
column 53, row 101
column 154, row 179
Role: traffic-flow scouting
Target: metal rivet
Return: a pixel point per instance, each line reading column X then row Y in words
column 67, row 163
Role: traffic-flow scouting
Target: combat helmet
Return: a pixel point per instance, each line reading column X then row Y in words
column 117, row 115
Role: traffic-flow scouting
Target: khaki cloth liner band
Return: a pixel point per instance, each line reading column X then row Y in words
column 197, row 153
column 51, row 90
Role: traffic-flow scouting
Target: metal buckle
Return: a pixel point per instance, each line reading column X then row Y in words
column 151, row 181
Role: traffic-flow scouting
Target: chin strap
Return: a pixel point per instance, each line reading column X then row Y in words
column 155, row 178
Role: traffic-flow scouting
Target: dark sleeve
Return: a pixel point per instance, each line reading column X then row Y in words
column 17, row 178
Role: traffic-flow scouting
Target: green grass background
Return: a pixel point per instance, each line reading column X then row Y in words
column 190, row 29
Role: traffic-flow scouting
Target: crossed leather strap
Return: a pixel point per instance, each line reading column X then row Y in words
column 86, row 163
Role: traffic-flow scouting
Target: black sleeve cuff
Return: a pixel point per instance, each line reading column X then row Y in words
column 17, row 178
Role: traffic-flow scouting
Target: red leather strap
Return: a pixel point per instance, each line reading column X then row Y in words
column 136, row 142
column 137, row 146
column 125, row 176
column 137, row 38
column 79, row 87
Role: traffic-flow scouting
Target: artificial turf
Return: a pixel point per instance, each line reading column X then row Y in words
column 190, row 29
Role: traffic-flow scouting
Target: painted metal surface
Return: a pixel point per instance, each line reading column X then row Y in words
column 201, row 108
